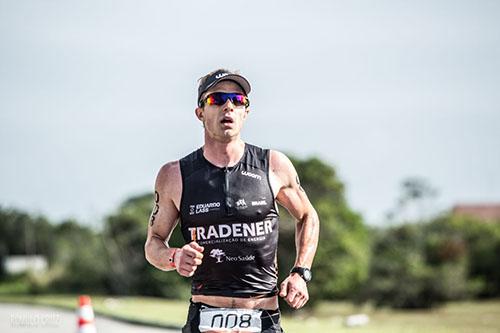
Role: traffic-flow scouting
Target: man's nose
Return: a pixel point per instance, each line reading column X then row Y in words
column 228, row 106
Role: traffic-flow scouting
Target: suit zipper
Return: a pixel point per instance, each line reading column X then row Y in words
column 226, row 192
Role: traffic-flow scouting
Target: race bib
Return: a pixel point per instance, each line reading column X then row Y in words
column 225, row 319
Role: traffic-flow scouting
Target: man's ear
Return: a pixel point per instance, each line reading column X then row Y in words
column 247, row 111
column 199, row 113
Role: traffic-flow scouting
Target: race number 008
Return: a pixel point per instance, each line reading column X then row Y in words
column 231, row 321
column 248, row 320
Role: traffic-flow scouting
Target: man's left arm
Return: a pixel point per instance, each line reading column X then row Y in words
column 293, row 197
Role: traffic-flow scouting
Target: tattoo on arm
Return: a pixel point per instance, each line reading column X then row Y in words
column 156, row 209
column 298, row 183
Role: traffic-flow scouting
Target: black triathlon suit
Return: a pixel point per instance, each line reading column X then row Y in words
column 231, row 212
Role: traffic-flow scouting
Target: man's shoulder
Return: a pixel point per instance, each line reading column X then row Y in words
column 277, row 158
column 281, row 166
column 169, row 172
column 172, row 169
column 192, row 156
column 168, row 182
column 255, row 148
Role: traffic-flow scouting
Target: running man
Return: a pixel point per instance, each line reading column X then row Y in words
column 224, row 194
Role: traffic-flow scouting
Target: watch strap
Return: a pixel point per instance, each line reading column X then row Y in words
column 304, row 272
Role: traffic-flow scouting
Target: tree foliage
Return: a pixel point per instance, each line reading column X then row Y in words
column 80, row 263
column 341, row 262
column 124, row 235
column 22, row 233
column 425, row 264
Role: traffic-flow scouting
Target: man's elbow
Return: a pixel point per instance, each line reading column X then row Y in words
column 310, row 216
column 315, row 219
column 148, row 250
column 315, row 215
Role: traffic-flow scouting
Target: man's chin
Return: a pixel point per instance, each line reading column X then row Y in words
column 227, row 135
column 230, row 133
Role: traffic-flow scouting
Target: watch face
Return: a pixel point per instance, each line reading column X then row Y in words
column 307, row 275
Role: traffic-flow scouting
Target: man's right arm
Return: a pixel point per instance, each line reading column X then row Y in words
column 164, row 216
column 163, row 219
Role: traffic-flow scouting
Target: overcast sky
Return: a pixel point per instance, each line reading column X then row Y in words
column 96, row 95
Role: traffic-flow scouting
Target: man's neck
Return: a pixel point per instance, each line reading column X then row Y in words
column 223, row 154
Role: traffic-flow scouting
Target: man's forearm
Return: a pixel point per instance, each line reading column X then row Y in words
column 158, row 254
column 306, row 239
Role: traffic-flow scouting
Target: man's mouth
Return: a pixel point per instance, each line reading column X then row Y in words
column 227, row 120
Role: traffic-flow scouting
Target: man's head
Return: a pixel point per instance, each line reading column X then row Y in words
column 212, row 78
column 223, row 104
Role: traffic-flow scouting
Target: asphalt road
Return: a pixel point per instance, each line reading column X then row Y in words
column 16, row 318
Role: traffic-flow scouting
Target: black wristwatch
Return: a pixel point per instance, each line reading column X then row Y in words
column 304, row 273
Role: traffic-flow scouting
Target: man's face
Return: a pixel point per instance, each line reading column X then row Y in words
column 223, row 122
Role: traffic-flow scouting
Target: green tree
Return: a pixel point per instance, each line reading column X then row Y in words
column 81, row 262
column 124, row 236
column 341, row 263
column 399, row 275
column 424, row 264
column 482, row 244
column 24, row 234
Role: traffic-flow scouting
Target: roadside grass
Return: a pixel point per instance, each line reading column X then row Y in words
column 459, row 317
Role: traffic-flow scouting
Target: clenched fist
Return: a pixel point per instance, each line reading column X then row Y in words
column 294, row 291
column 188, row 258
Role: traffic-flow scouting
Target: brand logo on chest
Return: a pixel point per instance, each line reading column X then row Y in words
column 220, row 256
column 203, row 208
column 241, row 204
column 252, row 229
column 251, row 175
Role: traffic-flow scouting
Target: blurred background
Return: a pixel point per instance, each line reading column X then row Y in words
column 389, row 110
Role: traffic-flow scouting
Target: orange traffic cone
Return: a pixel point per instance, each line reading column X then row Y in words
column 85, row 315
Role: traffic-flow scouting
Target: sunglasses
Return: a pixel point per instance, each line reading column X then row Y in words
column 220, row 98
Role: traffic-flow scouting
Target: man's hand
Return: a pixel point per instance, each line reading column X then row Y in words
column 294, row 291
column 188, row 258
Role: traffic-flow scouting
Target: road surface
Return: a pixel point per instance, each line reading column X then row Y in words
column 15, row 318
